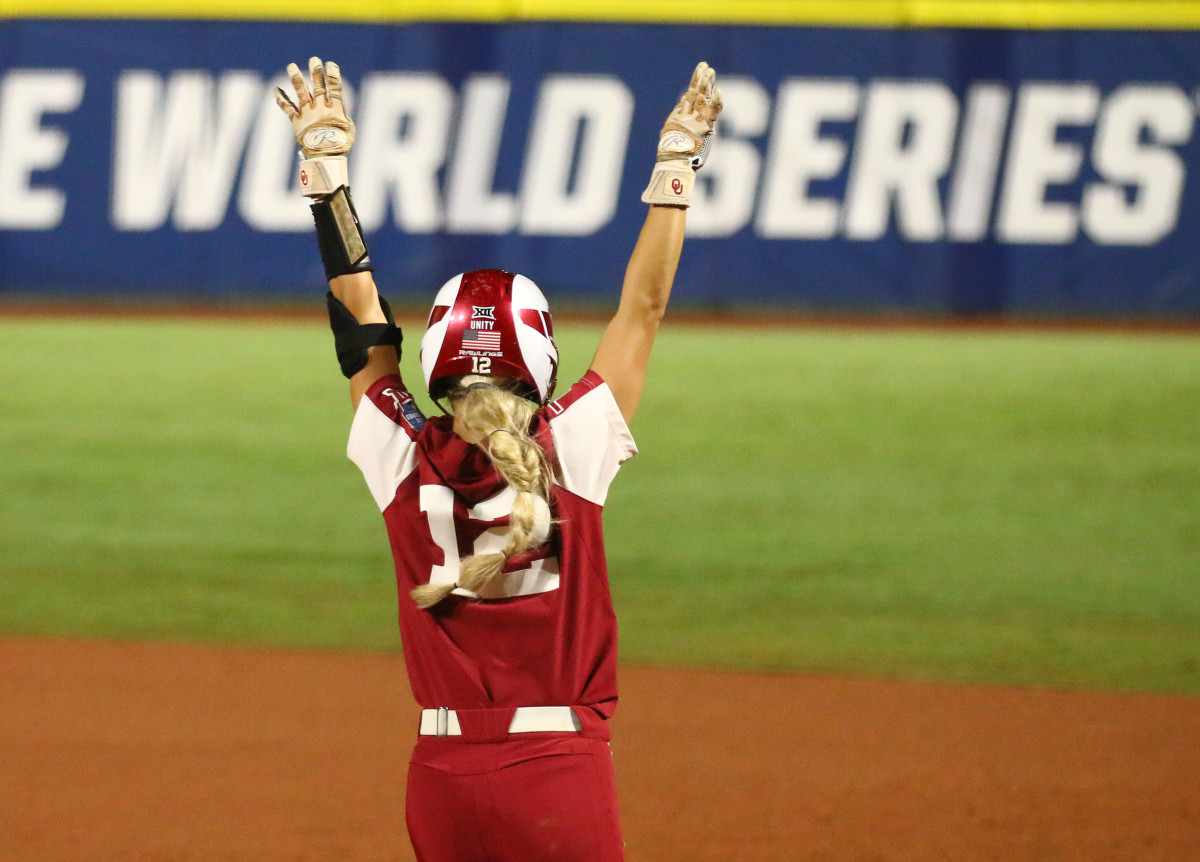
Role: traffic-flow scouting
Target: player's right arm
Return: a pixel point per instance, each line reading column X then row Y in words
column 358, row 294
column 623, row 355
column 366, row 337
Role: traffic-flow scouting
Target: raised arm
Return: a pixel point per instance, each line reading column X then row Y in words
column 624, row 352
column 366, row 337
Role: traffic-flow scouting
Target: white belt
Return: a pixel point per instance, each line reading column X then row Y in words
column 526, row 719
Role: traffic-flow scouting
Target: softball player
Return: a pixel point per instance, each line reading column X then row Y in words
column 493, row 511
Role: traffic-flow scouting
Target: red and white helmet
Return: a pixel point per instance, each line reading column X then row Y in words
column 494, row 323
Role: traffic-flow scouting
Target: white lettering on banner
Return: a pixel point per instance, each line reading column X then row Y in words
column 1154, row 174
column 26, row 145
column 981, row 145
column 269, row 197
column 403, row 129
column 906, row 139
column 1037, row 159
column 177, row 147
column 723, row 199
column 572, row 172
column 471, row 205
column 567, row 195
column 798, row 154
column 1042, row 163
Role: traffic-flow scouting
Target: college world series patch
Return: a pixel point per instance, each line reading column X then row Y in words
column 405, row 408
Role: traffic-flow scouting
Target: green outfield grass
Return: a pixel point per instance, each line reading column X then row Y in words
column 990, row 506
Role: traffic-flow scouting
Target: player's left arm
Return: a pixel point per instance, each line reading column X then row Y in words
column 623, row 355
column 366, row 337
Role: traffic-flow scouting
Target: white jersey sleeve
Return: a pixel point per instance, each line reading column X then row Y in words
column 591, row 439
column 383, row 438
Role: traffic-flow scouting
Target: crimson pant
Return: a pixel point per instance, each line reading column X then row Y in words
column 550, row 799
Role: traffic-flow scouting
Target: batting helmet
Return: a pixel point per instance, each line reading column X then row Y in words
column 494, row 323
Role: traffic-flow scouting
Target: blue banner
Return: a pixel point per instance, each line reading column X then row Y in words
column 945, row 171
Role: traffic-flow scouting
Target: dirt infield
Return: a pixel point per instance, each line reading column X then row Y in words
column 152, row 752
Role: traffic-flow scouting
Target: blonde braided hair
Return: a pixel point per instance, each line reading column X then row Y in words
column 492, row 416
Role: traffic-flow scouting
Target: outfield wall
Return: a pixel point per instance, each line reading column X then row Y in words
column 1029, row 166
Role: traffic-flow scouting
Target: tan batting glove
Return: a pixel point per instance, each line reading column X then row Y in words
column 684, row 141
column 323, row 131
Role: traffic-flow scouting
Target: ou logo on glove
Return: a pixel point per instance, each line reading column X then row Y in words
column 677, row 186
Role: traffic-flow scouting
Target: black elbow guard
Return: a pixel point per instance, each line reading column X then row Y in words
column 351, row 338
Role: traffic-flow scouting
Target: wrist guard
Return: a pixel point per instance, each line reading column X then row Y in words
column 323, row 175
column 670, row 184
column 351, row 338
column 339, row 235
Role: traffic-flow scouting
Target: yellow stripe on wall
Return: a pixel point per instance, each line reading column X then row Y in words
column 1009, row 14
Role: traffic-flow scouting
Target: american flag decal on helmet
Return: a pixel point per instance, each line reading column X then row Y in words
column 477, row 339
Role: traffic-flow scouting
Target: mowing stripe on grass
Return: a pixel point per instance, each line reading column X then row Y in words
column 1006, row 506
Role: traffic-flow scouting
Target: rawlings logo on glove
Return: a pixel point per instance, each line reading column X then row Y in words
column 684, row 140
column 325, row 139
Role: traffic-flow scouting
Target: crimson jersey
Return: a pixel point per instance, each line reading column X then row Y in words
column 545, row 634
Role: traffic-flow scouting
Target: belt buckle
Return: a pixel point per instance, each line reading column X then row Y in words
column 443, row 721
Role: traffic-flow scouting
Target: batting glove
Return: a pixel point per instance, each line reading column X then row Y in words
column 323, row 131
column 684, row 141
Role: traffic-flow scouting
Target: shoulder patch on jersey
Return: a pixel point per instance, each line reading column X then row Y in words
column 412, row 415
column 397, row 403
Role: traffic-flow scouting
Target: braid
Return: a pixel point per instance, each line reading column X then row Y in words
column 498, row 420
column 428, row 595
